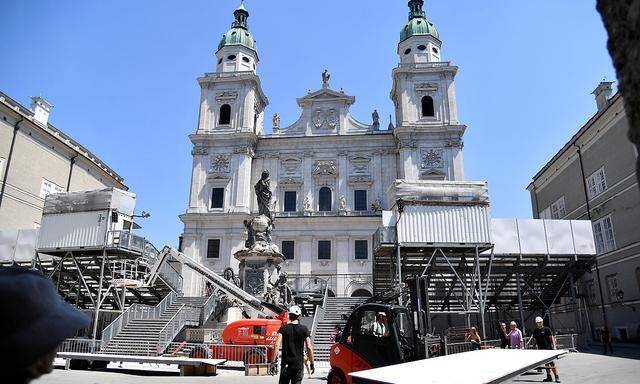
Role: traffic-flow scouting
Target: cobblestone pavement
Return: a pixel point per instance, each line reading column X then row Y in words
column 575, row 368
column 586, row 368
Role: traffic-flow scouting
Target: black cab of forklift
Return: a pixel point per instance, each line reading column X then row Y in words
column 375, row 335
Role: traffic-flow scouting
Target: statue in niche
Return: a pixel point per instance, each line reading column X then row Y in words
column 342, row 203
column 307, row 204
column 276, row 121
column 325, row 78
column 264, row 194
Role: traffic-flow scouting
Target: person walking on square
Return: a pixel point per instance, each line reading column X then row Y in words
column 293, row 338
column 504, row 339
column 516, row 341
column 545, row 339
column 606, row 339
column 337, row 333
column 474, row 339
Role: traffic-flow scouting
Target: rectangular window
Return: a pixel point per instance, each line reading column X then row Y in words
column 324, row 250
column 546, row 214
column 557, row 209
column 612, row 288
column 290, row 201
column 361, row 250
column 603, row 234
column 596, row 183
column 288, row 249
column 217, row 198
column 360, row 200
column 213, row 249
column 49, row 187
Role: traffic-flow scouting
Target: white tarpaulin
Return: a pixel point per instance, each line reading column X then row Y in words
column 486, row 366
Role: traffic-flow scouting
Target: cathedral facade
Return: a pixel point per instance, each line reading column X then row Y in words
column 329, row 172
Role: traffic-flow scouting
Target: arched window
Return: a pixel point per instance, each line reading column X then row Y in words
column 427, row 107
column 225, row 114
column 324, row 199
column 361, row 292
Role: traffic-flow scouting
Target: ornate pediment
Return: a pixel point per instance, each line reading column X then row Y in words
column 360, row 165
column 361, row 180
column 226, row 96
column 220, row 163
column 291, row 165
column 325, row 118
column 288, row 181
column 325, row 168
column 326, row 95
column 431, row 158
column 426, row 87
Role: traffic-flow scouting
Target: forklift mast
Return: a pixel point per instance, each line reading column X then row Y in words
column 418, row 307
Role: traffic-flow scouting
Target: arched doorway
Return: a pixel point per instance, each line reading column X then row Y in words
column 361, row 292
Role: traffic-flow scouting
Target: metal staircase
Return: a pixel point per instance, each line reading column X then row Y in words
column 146, row 331
column 329, row 316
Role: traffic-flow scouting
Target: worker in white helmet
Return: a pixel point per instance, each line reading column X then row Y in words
column 294, row 337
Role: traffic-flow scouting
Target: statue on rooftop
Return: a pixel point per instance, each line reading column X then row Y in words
column 376, row 117
column 325, row 78
column 276, row 121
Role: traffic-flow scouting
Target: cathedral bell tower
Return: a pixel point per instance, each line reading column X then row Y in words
column 425, row 103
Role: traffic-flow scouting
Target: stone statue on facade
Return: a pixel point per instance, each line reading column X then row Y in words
column 325, row 78
column 276, row 121
column 376, row 117
column 342, row 203
column 264, row 194
column 307, row 204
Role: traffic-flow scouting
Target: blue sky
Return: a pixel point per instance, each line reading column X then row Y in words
column 122, row 76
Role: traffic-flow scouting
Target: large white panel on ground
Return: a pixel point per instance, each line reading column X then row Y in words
column 559, row 237
column 504, row 233
column 452, row 224
column 583, row 237
column 532, row 237
column 73, row 230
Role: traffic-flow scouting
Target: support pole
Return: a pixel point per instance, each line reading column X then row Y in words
column 98, row 302
column 399, row 263
column 428, row 308
column 480, row 295
column 520, row 303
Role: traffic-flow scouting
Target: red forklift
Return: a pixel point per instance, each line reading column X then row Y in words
column 403, row 338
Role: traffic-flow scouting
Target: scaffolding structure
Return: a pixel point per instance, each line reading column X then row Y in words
column 473, row 265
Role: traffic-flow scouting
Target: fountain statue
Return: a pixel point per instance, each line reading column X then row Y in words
column 260, row 271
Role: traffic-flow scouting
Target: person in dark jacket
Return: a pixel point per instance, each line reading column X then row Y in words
column 34, row 322
column 545, row 339
column 294, row 337
column 504, row 339
column 606, row 340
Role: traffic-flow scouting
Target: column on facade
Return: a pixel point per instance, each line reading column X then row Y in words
column 378, row 177
column 242, row 187
column 342, row 188
column 342, row 264
column 192, row 283
column 304, row 250
column 308, row 184
column 235, row 243
column 198, row 201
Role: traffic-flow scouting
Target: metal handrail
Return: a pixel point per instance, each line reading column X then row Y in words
column 186, row 315
column 208, row 308
column 135, row 312
column 171, row 277
column 319, row 310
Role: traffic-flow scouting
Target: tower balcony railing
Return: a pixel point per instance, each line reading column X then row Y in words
column 438, row 64
column 328, row 213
